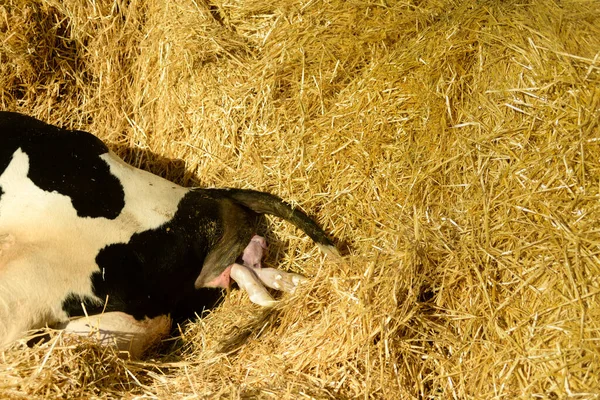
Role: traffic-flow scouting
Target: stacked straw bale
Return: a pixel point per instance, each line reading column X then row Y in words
column 451, row 147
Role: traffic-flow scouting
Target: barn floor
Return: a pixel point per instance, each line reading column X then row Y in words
column 451, row 147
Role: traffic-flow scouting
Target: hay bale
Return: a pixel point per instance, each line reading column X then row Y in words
column 452, row 148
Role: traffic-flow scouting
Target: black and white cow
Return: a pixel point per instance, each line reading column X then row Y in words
column 82, row 232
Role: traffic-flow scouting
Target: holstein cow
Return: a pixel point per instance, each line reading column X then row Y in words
column 84, row 233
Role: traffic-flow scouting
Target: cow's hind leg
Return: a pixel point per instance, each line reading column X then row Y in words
column 122, row 331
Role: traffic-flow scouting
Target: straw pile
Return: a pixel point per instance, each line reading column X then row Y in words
column 452, row 148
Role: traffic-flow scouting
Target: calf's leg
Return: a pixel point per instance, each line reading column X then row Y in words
column 253, row 279
column 271, row 277
column 248, row 281
column 279, row 280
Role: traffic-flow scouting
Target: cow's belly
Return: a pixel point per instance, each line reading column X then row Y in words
column 30, row 295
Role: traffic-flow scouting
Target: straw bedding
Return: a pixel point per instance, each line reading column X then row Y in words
column 452, row 149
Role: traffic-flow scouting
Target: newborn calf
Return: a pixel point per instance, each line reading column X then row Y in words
column 82, row 232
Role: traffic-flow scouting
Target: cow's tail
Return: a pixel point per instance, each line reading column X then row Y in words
column 266, row 203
